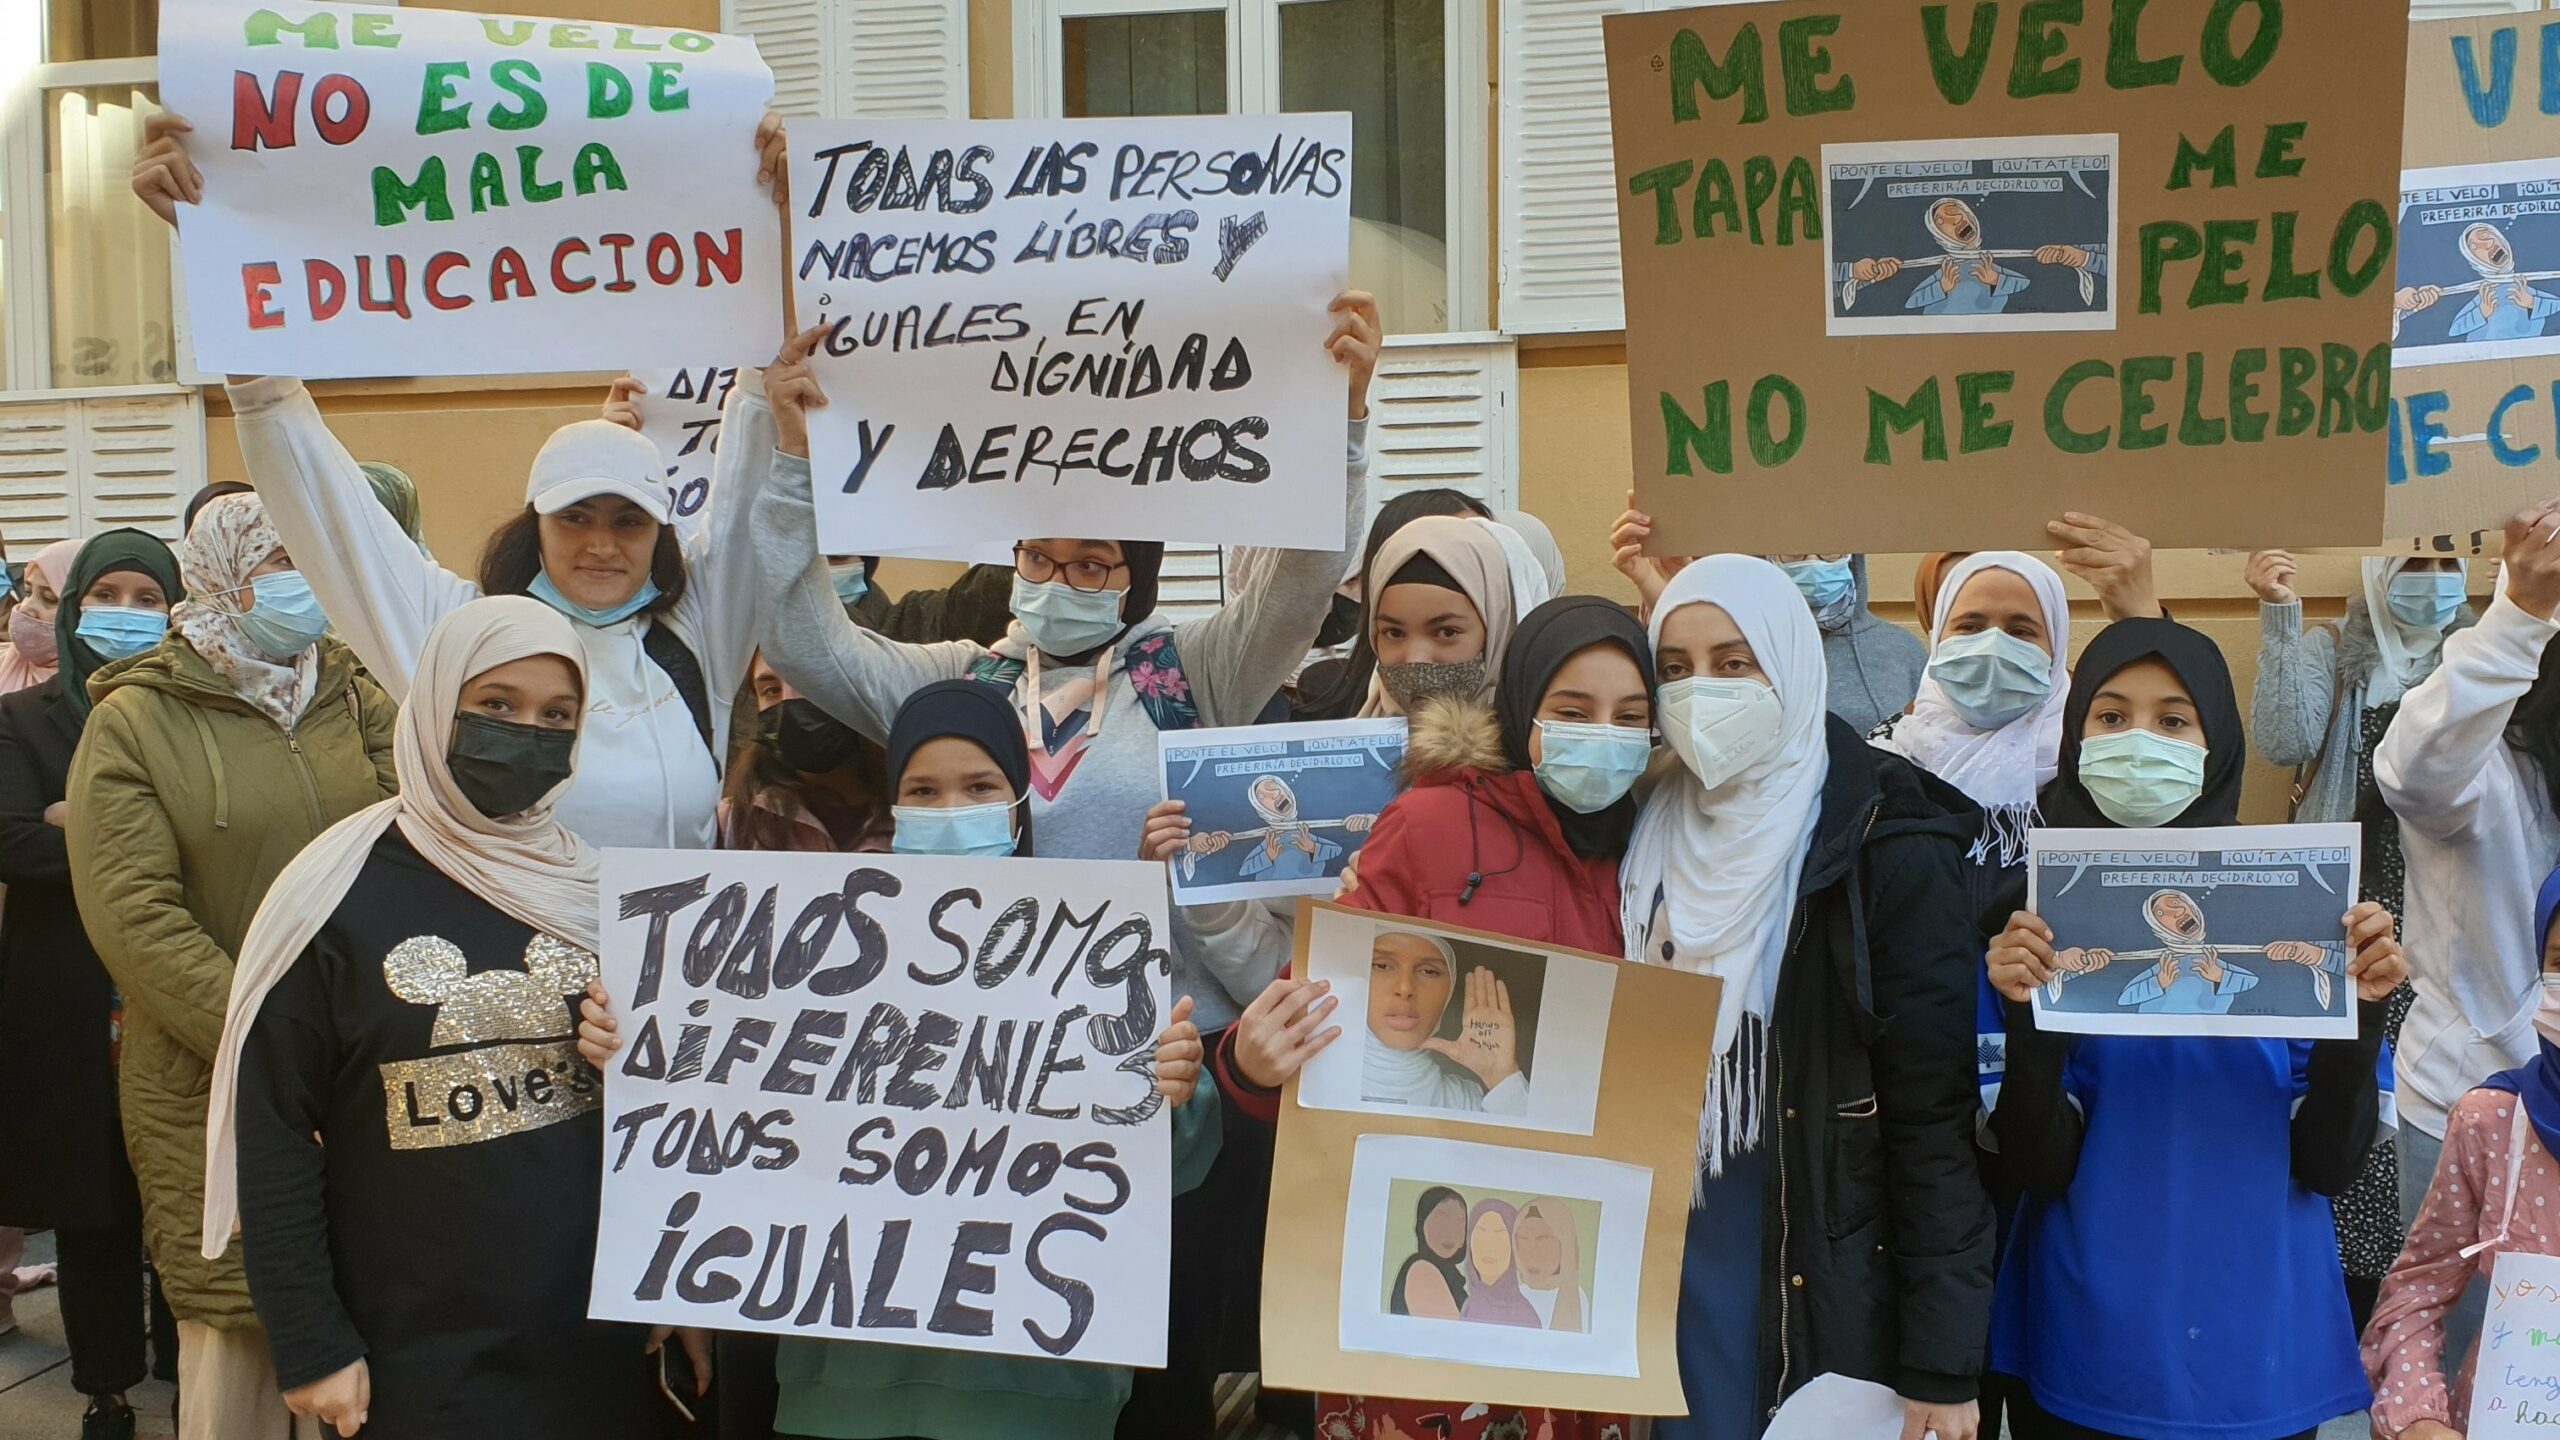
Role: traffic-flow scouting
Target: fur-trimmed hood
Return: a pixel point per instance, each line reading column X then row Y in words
column 1446, row 736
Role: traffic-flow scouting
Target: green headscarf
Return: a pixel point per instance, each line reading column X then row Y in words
column 107, row 552
column 399, row 495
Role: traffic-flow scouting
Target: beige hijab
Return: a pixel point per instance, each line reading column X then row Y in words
column 526, row 865
column 1474, row 557
column 1569, row 1279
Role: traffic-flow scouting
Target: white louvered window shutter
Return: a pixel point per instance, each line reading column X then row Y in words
column 901, row 59
column 791, row 35
column 73, row 467
column 1559, row 230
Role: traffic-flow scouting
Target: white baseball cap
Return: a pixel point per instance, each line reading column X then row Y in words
column 597, row 457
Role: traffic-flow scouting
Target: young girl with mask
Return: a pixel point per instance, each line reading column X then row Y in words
column 2230, row 1321
column 65, row 1144
column 210, row 760
column 1444, row 611
column 30, row 656
column 1819, row 878
column 1336, row 689
column 802, row 780
column 1517, row 818
column 667, row 632
column 462, row 887
column 2494, row 1191
column 960, row 777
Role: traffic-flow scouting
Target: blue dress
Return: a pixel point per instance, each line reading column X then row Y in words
column 2186, row 1286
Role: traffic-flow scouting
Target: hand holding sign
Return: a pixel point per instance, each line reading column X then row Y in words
column 1357, row 334
column 163, row 176
column 2022, row 958
column 2379, row 964
column 2531, row 561
column 622, row 402
column 793, row 391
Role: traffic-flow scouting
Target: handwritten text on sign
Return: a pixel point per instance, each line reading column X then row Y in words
column 888, row 1098
column 2517, row 1388
column 680, row 413
column 435, row 193
column 1110, row 327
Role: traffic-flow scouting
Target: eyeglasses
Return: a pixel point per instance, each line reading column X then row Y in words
column 1040, row 568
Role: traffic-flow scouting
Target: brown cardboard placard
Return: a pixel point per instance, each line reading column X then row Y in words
column 2168, row 231
column 2476, row 383
column 1650, row 1082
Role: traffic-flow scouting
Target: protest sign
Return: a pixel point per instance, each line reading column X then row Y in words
column 1519, row 1116
column 2516, row 1390
column 1059, row 327
column 428, row 192
column 893, row 1098
column 2227, row 930
column 1938, row 274
column 1277, row 809
column 2476, row 408
column 680, row 413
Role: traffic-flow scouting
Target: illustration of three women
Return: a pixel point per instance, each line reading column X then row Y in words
column 1494, row 1265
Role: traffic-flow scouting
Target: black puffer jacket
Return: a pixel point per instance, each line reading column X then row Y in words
column 1876, row 1228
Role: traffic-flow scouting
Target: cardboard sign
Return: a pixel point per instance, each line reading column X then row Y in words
column 1062, row 327
column 2517, row 1388
column 681, row 416
column 2227, row 930
column 1937, row 274
column 892, row 1098
column 1488, row 1174
column 1277, row 809
column 427, row 192
column 2476, row 405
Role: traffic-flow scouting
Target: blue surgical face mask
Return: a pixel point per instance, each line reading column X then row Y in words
column 549, row 594
column 2427, row 599
column 285, row 618
column 1991, row 677
column 2139, row 778
column 1063, row 620
column 852, row 580
column 116, row 632
column 1823, row 583
column 980, row 831
column 1588, row 768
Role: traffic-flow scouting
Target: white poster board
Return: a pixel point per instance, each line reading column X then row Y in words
column 680, row 413
column 1075, row 327
column 2519, row 1370
column 894, row 1098
column 431, row 192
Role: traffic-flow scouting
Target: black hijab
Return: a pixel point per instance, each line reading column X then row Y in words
column 979, row 713
column 1450, row 1271
column 108, row 552
column 1547, row 637
column 2199, row 664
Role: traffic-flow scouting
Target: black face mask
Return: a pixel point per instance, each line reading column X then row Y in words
column 1340, row 623
column 505, row 769
column 812, row 741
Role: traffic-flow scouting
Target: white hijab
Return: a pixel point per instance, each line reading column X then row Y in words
column 1414, row 1077
column 2000, row 770
column 2404, row 653
column 2483, row 268
column 1709, row 883
column 526, row 865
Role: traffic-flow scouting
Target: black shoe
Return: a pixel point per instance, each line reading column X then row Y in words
column 107, row 1419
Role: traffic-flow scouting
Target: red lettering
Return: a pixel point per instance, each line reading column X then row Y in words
column 257, row 284
column 437, row 265
column 354, row 109
column 256, row 121
column 327, row 285
column 710, row 256
column 621, row 280
column 395, row 298
column 664, row 244
column 560, row 280
column 507, row 271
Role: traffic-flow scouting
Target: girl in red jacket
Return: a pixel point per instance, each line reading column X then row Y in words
column 1515, row 824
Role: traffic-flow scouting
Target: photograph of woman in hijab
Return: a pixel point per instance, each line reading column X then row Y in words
column 1445, row 1033
column 1490, row 1257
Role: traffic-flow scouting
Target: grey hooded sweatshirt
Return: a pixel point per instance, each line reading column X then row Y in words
column 1875, row 664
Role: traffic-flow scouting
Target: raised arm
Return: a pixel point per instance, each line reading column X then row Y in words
column 125, row 874
column 1238, row 658
column 2297, row 669
column 723, row 601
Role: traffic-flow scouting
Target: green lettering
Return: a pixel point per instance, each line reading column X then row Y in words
column 1767, row 451
column 2057, row 401
column 2284, row 282
column 1710, row 437
column 2134, row 403
column 2337, row 388
column 2363, row 217
column 488, row 183
column 666, row 86
column 1799, row 204
column 374, row 30
column 528, row 159
column 2222, row 157
column 2373, row 389
column 436, row 110
column 2234, row 70
column 2276, row 160
column 608, row 92
column 1759, row 182
column 1802, row 64
column 317, row 31
column 1663, row 183
column 595, row 167
column 503, row 30
column 2248, row 424
column 1716, row 200
column 1692, row 70
column 571, row 37
column 520, row 79
column 2040, row 39
column 2163, row 241
column 2194, row 426
column 1885, row 419
column 1959, row 73
column 1979, row 427
column 2295, row 411
column 393, row 199
column 2126, row 69
column 2222, row 261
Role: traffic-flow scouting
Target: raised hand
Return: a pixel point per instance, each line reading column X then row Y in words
column 1178, row 1056
column 1283, row 1029
column 1357, row 334
column 599, row 1034
column 1648, row 573
column 2270, row 573
column 773, row 153
column 163, row 175
column 2377, row 963
column 622, row 402
column 792, row 391
column 2022, row 958
column 1167, row 831
column 2530, row 564
column 2113, row 560
column 1488, row 1037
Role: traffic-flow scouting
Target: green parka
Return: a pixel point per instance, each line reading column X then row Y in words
column 185, row 804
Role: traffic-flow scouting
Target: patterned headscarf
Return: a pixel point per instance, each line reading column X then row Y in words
column 232, row 536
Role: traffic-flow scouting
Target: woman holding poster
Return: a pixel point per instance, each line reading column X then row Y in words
column 667, row 636
column 2227, row 1319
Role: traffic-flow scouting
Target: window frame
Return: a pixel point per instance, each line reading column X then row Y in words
column 1253, row 88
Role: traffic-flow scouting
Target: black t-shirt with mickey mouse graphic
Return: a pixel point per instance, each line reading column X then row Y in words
column 418, row 1149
